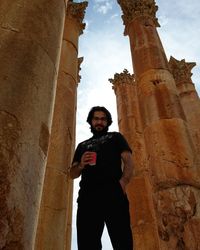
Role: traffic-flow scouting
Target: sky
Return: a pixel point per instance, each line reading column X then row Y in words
column 106, row 51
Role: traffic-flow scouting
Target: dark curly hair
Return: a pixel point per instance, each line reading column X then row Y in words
column 102, row 109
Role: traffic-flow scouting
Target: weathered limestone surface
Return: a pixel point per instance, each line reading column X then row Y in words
column 189, row 98
column 54, row 227
column 158, row 111
column 169, row 114
column 144, row 223
column 30, row 43
column 129, row 117
column 141, row 205
column 140, row 22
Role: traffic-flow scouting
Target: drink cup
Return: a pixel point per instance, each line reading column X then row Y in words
column 94, row 159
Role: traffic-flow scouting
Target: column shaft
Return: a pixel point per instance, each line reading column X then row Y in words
column 146, row 47
column 173, row 172
column 189, row 98
column 143, row 221
column 54, row 227
column 129, row 117
column 30, row 41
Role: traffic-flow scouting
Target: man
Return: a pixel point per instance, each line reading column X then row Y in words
column 102, row 196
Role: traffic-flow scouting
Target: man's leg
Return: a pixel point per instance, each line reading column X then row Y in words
column 118, row 220
column 90, row 226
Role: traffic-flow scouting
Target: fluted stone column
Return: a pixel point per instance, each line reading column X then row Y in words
column 54, row 228
column 30, row 43
column 139, row 189
column 189, row 98
column 173, row 176
column 129, row 117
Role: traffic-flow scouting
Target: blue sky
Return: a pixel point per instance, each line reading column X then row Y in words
column 106, row 51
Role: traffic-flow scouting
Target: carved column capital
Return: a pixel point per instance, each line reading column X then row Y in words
column 181, row 70
column 77, row 11
column 138, row 8
column 122, row 78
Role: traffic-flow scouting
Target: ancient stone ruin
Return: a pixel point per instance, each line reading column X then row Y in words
column 158, row 112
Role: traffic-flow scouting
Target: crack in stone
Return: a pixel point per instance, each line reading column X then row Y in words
column 9, row 28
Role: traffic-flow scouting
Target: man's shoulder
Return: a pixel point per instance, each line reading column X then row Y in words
column 115, row 133
column 118, row 136
column 111, row 134
column 85, row 141
column 107, row 135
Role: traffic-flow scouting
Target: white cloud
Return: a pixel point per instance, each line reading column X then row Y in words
column 179, row 32
column 116, row 15
column 103, row 6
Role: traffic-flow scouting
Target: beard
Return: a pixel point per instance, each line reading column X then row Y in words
column 99, row 133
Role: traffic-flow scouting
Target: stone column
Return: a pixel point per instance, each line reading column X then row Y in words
column 139, row 189
column 129, row 119
column 189, row 98
column 30, row 43
column 54, row 227
column 173, row 178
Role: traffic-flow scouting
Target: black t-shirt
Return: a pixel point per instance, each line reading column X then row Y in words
column 108, row 167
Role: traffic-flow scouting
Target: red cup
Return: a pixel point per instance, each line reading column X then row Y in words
column 93, row 159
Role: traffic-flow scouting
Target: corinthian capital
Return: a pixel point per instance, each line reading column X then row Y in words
column 122, row 78
column 181, row 70
column 135, row 8
column 77, row 11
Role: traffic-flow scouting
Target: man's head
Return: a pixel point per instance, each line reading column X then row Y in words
column 99, row 119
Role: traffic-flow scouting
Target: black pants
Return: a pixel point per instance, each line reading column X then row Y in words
column 104, row 206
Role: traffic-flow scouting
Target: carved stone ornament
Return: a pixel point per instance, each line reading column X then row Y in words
column 135, row 8
column 77, row 11
column 176, row 207
column 80, row 60
column 181, row 70
column 122, row 78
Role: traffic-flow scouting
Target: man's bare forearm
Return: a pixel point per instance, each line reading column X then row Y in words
column 75, row 170
column 127, row 168
column 77, row 167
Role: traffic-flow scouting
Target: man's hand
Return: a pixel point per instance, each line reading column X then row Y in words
column 77, row 167
column 86, row 159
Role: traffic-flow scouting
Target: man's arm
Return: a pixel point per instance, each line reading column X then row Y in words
column 127, row 169
column 77, row 167
column 75, row 170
